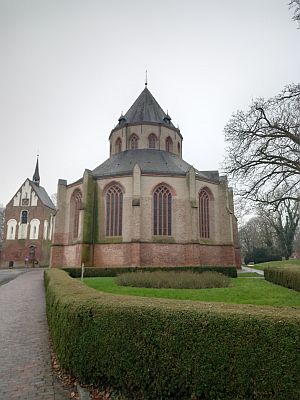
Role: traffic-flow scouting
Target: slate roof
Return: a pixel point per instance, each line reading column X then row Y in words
column 43, row 195
column 146, row 109
column 150, row 161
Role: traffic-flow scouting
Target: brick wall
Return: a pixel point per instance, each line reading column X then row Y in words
column 146, row 254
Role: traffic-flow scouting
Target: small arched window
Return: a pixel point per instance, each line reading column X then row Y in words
column 178, row 148
column 133, row 142
column 75, row 211
column 118, row 146
column 152, row 141
column 24, row 217
column 162, row 211
column 11, row 229
column 169, row 144
column 114, row 211
column 34, row 229
column 204, row 215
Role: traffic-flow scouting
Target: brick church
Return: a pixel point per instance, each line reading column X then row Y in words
column 29, row 220
column 145, row 205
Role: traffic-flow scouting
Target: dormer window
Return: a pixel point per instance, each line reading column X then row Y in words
column 133, row 142
column 122, row 120
column 167, row 119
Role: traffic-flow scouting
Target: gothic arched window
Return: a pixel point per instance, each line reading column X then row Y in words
column 114, row 211
column 133, row 142
column 75, row 211
column 152, row 141
column 169, row 144
column 204, row 225
column 178, row 148
column 162, row 211
column 118, row 146
column 24, row 217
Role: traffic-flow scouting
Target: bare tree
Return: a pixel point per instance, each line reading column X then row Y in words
column 284, row 219
column 263, row 148
column 297, row 243
column 256, row 233
column 295, row 4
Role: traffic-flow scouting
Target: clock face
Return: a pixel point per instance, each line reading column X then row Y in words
column 25, row 202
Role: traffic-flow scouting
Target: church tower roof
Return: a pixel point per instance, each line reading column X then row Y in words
column 36, row 175
column 145, row 109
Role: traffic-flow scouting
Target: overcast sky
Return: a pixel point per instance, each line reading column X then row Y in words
column 68, row 68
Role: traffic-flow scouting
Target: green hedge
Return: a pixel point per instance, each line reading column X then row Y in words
column 288, row 277
column 165, row 349
column 90, row 272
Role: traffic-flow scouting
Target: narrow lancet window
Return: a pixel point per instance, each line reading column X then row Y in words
column 162, row 211
column 204, row 225
column 114, row 211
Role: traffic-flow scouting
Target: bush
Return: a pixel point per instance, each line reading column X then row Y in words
column 173, row 279
column 91, row 272
column 166, row 349
column 261, row 255
column 288, row 277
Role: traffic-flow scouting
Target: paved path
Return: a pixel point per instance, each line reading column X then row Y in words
column 248, row 269
column 7, row 275
column 25, row 365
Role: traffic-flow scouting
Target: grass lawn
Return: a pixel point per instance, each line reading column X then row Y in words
column 284, row 263
column 249, row 274
column 241, row 291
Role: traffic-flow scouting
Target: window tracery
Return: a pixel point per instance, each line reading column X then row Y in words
column 204, row 214
column 162, row 211
column 114, row 211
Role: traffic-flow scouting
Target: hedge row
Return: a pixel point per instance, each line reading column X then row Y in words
column 165, row 349
column 288, row 277
column 90, row 272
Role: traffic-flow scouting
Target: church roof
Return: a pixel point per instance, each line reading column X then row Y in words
column 150, row 161
column 145, row 109
column 43, row 195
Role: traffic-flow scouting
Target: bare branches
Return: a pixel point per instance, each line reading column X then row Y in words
column 295, row 4
column 263, row 148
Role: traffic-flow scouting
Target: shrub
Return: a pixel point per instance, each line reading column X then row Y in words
column 173, row 279
column 90, row 272
column 262, row 254
column 287, row 277
column 166, row 349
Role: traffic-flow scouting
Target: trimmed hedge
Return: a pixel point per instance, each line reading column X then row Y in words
column 288, row 277
column 90, row 272
column 164, row 349
column 173, row 280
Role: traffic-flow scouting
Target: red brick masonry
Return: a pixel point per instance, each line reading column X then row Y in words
column 146, row 254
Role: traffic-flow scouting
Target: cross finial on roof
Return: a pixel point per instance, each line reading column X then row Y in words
column 146, row 80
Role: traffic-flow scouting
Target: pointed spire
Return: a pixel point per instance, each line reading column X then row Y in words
column 36, row 175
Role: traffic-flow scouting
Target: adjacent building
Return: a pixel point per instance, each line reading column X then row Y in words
column 29, row 220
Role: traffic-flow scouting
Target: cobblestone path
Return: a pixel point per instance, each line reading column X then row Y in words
column 25, row 364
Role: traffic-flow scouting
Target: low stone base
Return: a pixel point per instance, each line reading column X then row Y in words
column 144, row 254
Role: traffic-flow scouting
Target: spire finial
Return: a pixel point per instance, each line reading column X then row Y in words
column 146, row 80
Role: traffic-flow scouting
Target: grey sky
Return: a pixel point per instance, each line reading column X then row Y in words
column 68, row 68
